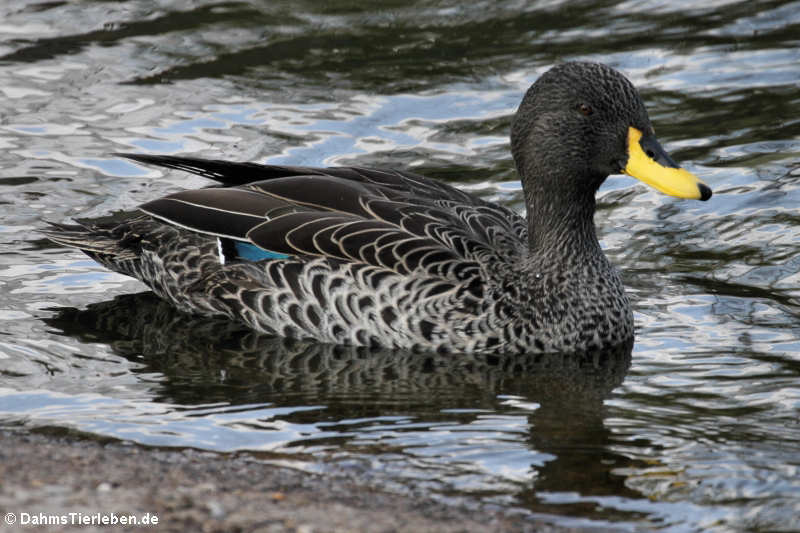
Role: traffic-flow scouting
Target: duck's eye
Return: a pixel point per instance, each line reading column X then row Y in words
column 585, row 109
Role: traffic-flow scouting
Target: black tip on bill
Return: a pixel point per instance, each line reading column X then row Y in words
column 705, row 192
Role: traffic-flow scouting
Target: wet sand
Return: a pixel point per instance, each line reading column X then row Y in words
column 45, row 477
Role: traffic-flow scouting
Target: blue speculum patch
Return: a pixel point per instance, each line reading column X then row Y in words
column 251, row 252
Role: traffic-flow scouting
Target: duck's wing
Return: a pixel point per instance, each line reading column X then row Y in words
column 232, row 173
column 395, row 220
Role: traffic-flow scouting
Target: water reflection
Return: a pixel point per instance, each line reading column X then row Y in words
column 545, row 410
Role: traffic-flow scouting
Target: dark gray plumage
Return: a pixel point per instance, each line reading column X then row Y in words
column 197, row 350
column 371, row 257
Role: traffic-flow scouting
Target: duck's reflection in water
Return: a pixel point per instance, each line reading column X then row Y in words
column 206, row 361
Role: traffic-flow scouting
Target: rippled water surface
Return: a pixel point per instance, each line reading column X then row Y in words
column 697, row 429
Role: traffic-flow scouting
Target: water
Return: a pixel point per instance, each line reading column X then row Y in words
column 697, row 429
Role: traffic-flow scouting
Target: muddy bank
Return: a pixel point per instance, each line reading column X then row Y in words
column 45, row 478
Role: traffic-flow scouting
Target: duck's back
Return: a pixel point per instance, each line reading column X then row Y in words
column 344, row 255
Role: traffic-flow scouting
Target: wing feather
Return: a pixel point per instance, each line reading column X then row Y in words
column 397, row 220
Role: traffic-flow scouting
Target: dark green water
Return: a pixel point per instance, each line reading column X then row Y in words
column 697, row 429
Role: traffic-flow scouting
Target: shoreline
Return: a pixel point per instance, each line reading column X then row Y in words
column 79, row 481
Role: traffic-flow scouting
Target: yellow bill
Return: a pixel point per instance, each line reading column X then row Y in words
column 648, row 162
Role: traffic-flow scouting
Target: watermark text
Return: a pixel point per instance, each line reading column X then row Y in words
column 80, row 519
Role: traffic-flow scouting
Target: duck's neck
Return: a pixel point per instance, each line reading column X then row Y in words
column 561, row 227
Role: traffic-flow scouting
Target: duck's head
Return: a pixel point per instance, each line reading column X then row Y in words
column 580, row 122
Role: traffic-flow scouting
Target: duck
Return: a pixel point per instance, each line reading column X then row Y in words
column 390, row 258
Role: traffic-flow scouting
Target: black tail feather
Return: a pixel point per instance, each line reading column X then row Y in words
column 85, row 238
column 224, row 172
